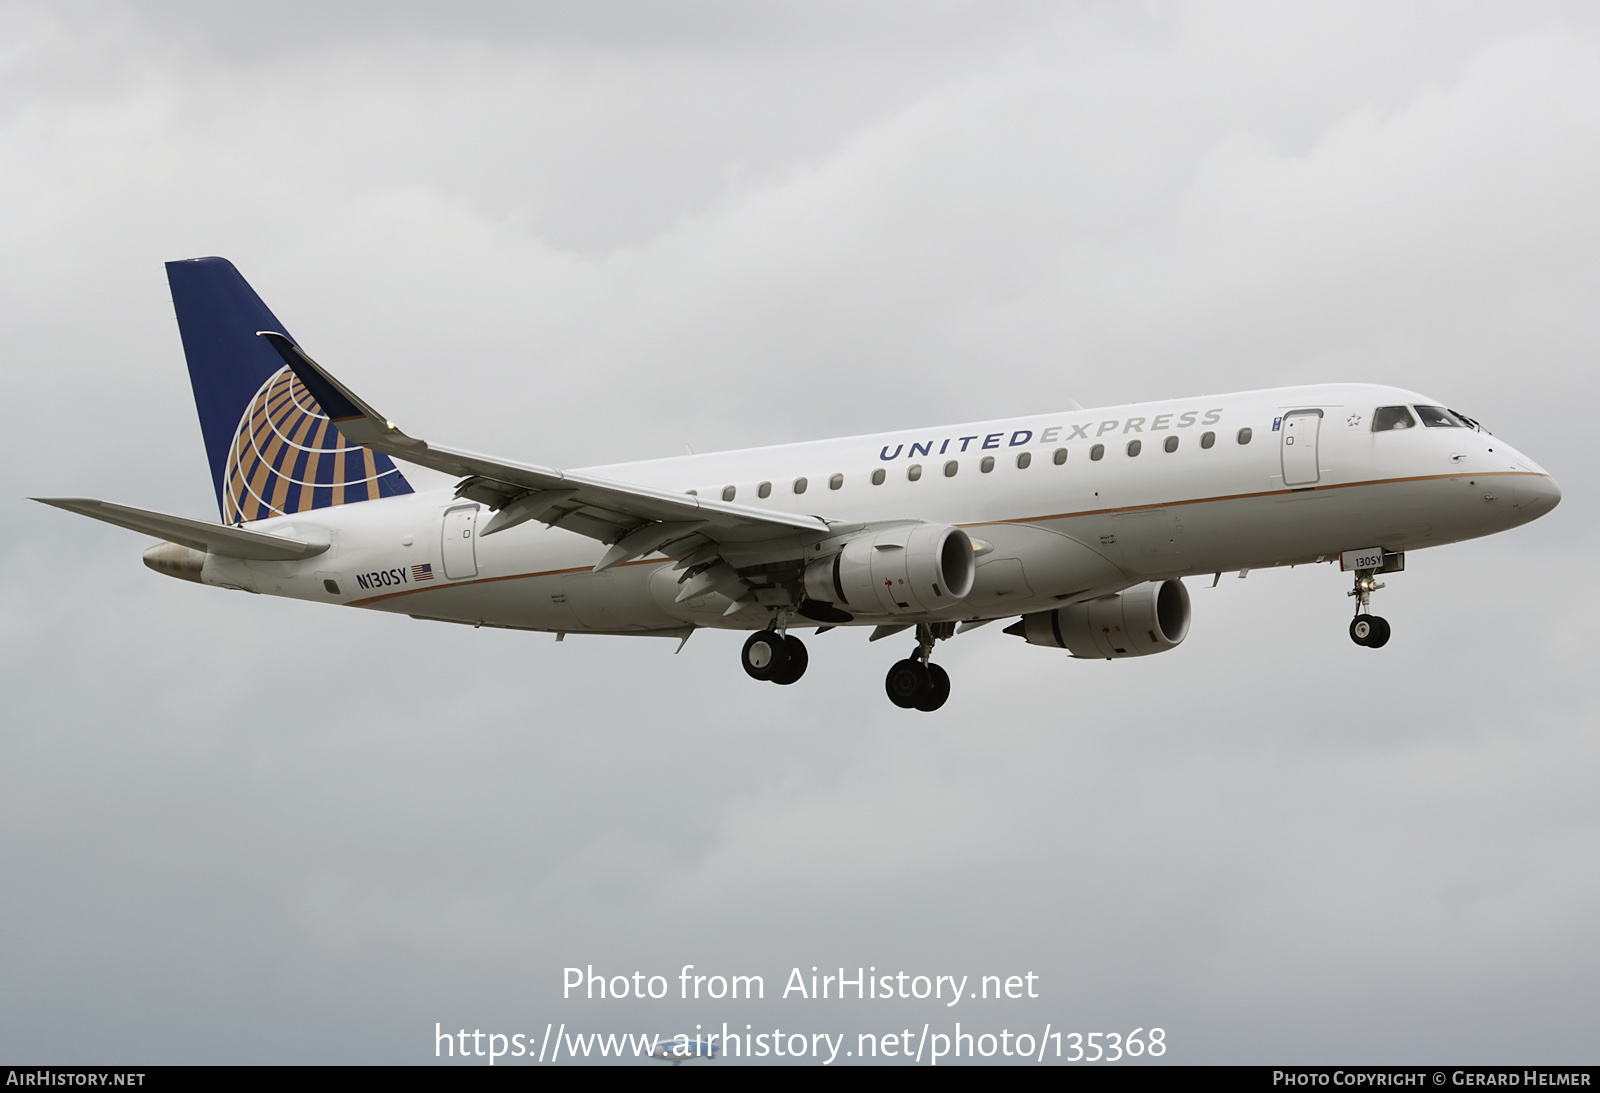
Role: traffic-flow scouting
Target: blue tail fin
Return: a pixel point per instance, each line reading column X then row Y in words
column 272, row 449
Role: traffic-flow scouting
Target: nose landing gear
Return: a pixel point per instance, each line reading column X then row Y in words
column 916, row 684
column 1371, row 631
column 1367, row 629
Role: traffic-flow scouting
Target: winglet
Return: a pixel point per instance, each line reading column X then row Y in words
column 359, row 422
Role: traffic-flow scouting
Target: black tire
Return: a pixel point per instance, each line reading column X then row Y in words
column 795, row 666
column 765, row 654
column 1380, row 633
column 907, row 683
column 1362, row 629
column 938, row 689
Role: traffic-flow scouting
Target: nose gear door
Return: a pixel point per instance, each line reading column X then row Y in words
column 1299, row 447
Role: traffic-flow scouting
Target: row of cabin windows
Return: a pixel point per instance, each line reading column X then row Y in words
column 986, row 464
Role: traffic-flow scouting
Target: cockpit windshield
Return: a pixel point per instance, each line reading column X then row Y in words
column 1437, row 417
column 1385, row 418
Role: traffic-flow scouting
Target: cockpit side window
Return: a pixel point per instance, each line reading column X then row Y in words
column 1391, row 417
column 1437, row 417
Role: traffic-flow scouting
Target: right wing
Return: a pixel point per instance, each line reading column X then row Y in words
column 634, row 520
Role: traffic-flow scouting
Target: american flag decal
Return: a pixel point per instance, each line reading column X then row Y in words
column 423, row 572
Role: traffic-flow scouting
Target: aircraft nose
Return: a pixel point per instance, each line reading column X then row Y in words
column 1540, row 494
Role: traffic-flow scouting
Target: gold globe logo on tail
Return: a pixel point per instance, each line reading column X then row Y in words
column 287, row 456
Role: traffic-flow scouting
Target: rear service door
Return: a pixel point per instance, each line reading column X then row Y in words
column 460, row 552
column 1299, row 447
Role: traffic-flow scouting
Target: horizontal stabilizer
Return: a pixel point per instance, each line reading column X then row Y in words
column 213, row 538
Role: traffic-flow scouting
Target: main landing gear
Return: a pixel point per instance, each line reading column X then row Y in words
column 1367, row 629
column 774, row 657
column 915, row 683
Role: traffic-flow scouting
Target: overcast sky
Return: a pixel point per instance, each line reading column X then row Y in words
column 241, row 829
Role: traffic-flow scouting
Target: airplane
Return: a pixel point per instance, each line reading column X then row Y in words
column 1081, row 525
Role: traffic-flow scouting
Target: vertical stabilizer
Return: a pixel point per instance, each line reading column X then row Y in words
column 271, row 448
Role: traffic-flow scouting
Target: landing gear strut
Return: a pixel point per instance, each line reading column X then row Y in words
column 916, row 684
column 1367, row 629
column 773, row 657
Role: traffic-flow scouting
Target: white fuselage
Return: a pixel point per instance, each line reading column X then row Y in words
column 1047, row 533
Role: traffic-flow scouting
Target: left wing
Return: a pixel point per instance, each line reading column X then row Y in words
column 634, row 520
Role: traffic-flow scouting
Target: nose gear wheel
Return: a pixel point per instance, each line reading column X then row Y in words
column 1366, row 629
column 1371, row 631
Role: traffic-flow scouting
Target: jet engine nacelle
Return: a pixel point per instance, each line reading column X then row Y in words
column 1149, row 619
column 906, row 570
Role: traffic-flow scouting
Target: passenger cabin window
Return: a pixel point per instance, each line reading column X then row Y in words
column 1135, row 447
column 1098, row 452
column 800, row 485
column 1024, row 458
column 1061, row 457
column 1172, row 444
column 1437, row 417
column 878, row 476
column 728, row 493
column 1391, row 417
column 836, row 481
column 914, row 471
column 1245, row 434
column 764, row 490
column 951, row 468
column 986, row 464
column 1207, row 439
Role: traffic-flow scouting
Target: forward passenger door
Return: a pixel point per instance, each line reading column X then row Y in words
column 1299, row 447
